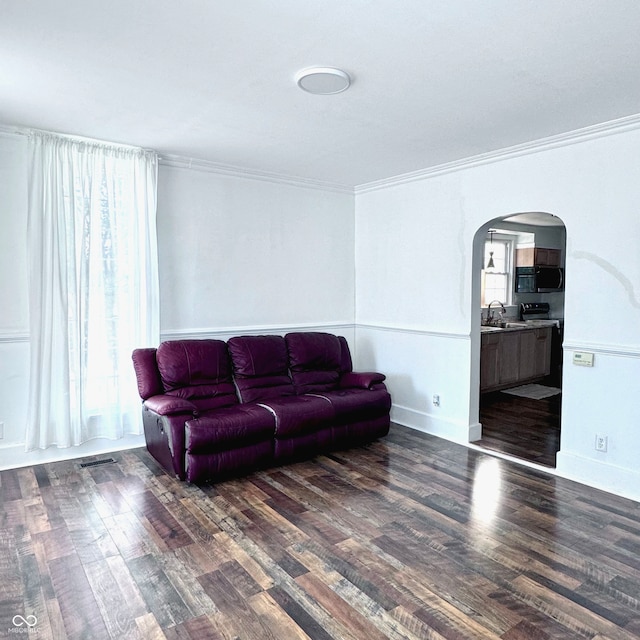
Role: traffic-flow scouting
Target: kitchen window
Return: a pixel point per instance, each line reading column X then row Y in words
column 497, row 280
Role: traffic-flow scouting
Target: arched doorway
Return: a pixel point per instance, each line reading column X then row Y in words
column 518, row 298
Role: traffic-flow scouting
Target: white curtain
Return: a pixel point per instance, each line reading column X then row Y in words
column 93, row 279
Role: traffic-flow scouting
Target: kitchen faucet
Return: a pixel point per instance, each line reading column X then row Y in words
column 500, row 313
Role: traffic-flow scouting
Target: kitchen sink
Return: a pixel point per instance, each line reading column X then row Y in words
column 505, row 325
column 531, row 324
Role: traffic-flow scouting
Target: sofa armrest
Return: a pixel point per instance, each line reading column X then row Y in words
column 363, row 380
column 170, row 405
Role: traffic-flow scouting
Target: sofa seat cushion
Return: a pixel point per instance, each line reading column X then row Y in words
column 350, row 404
column 197, row 370
column 300, row 414
column 229, row 427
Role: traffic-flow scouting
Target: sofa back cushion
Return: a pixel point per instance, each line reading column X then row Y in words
column 317, row 360
column 260, row 367
column 197, row 370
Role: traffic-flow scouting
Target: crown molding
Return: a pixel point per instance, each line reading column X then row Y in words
column 612, row 127
column 195, row 164
column 12, row 132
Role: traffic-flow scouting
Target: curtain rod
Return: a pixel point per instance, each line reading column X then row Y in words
column 26, row 131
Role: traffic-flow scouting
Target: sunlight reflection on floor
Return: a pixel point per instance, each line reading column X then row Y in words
column 486, row 491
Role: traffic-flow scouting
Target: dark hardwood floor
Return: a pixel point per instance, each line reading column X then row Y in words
column 409, row 537
column 520, row 427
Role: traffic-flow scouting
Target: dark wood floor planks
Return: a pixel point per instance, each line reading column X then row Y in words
column 409, row 537
column 521, row 427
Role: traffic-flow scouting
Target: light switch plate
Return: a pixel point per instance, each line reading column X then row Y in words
column 583, row 358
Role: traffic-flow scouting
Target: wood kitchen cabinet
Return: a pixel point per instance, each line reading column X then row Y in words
column 509, row 357
column 489, row 361
column 535, row 353
column 512, row 357
column 538, row 257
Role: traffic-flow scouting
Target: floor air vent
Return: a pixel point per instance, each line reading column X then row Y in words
column 96, row 462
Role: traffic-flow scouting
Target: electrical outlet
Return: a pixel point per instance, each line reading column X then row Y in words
column 601, row 443
column 436, row 400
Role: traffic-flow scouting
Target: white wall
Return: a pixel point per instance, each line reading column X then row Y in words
column 417, row 309
column 237, row 255
column 246, row 255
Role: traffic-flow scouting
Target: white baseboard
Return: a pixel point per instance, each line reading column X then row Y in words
column 475, row 432
column 431, row 424
column 409, row 418
column 14, row 456
column 600, row 475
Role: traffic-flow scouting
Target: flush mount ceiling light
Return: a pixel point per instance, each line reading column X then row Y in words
column 323, row 81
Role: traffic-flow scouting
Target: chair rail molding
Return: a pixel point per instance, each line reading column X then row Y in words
column 413, row 331
column 221, row 333
column 616, row 350
column 10, row 337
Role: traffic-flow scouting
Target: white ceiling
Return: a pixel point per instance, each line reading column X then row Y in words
column 433, row 81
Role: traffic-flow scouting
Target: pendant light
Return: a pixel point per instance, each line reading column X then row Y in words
column 490, row 264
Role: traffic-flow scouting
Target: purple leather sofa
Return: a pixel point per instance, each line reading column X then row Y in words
column 212, row 408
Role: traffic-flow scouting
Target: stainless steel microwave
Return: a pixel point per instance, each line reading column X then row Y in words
column 539, row 279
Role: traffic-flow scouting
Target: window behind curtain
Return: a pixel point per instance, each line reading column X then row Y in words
column 93, row 287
